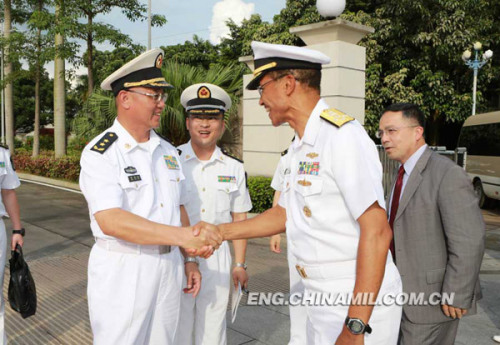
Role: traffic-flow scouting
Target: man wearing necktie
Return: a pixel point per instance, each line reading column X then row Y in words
column 438, row 241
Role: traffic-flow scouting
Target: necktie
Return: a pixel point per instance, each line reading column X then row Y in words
column 394, row 206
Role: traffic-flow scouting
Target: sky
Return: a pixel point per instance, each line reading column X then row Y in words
column 185, row 18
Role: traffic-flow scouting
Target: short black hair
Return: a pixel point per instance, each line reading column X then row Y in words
column 309, row 77
column 409, row 111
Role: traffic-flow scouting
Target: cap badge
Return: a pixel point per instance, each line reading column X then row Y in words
column 204, row 92
column 159, row 61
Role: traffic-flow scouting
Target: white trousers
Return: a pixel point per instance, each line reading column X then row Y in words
column 3, row 260
column 324, row 323
column 203, row 319
column 134, row 299
column 298, row 313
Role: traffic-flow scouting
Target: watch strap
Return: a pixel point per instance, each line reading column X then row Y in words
column 21, row 232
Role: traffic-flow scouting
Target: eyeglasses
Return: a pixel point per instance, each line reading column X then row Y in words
column 261, row 87
column 391, row 131
column 157, row 97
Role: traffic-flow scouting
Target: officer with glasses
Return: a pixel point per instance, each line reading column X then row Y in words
column 131, row 179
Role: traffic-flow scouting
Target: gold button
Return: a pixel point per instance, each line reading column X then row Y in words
column 177, row 179
column 188, row 156
column 307, row 211
column 227, row 190
column 156, row 180
column 202, row 169
column 203, row 189
column 161, row 205
column 136, row 185
column 203, row 210
column 127, row 145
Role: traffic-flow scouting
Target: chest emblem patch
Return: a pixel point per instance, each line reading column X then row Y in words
column 304, row 183
column 171, row 162
column 312, row 155
column 130, row 170
column 308, row 168
column 229, row 179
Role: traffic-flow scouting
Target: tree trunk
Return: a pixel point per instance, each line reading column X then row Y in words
column 9, row 105
column 59, row 92
column 36, row 132
column 90, row 57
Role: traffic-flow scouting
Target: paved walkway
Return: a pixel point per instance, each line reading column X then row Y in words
column 57, row 249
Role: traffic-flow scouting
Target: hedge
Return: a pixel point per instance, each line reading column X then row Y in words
column 261, row 193
column 68, row 168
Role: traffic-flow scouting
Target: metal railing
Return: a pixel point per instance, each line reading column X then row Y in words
column 390, row 167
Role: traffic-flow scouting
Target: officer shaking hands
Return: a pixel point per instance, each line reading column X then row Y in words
column 332, row 202
column 131, row 178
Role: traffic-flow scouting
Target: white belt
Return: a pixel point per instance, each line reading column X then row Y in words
column 131, row 248
column 341, row 269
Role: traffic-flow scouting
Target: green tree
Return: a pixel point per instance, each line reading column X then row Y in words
column 196, row 53
column 99, row 111
column 95, row 32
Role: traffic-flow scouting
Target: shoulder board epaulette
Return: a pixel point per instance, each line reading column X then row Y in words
column 105, row 142
column 230, row 155
column 336, row 117
column 164, row 138
column 284, row 152
column 179, row 151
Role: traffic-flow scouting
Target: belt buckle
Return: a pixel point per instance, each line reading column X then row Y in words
column 164, row 249
column 301, row 270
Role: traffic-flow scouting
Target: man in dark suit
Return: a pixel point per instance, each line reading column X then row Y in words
column 438, row 230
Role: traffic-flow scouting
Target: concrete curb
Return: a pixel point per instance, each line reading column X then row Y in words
column 47, row 180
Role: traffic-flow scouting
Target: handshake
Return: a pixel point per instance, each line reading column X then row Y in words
column 203, row 239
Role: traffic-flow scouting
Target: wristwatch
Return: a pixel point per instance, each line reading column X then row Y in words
column 21, row 232
column 242, row 265
column 357, row 326
column 191, row 259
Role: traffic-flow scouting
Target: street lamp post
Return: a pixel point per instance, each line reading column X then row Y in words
column 149, row 24
column 476, row 64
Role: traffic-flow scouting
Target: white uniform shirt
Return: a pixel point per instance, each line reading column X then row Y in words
column 335, row 175
column 143, row 179
column 279, row 175
column 8, row 177
column 213, row 188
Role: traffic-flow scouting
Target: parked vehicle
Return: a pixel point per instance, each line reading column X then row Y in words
column 481, row 136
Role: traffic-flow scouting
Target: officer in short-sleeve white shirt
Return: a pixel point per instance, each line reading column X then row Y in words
column 131, row 179
column 216, row 192
column 8, row 206
column 332, row 202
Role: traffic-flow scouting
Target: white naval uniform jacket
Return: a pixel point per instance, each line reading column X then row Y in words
column 8, row 177
column 334, row 175
column 144, row 179
column 214, row 188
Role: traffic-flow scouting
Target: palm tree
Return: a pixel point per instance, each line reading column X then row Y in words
column 99, row 110
column 59, row 89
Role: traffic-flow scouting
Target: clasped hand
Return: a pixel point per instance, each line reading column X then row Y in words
column 204, row 240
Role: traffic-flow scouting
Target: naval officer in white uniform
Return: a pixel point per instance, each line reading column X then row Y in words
column 332, row 202
column 215, row 192
column 131, row 179
column 8, row 206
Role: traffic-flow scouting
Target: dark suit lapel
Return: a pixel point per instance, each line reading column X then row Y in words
column 413, row 181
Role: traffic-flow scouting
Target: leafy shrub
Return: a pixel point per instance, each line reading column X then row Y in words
column 261, row 193
column 76, row 146
column 46, row 142
column 66, row 168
